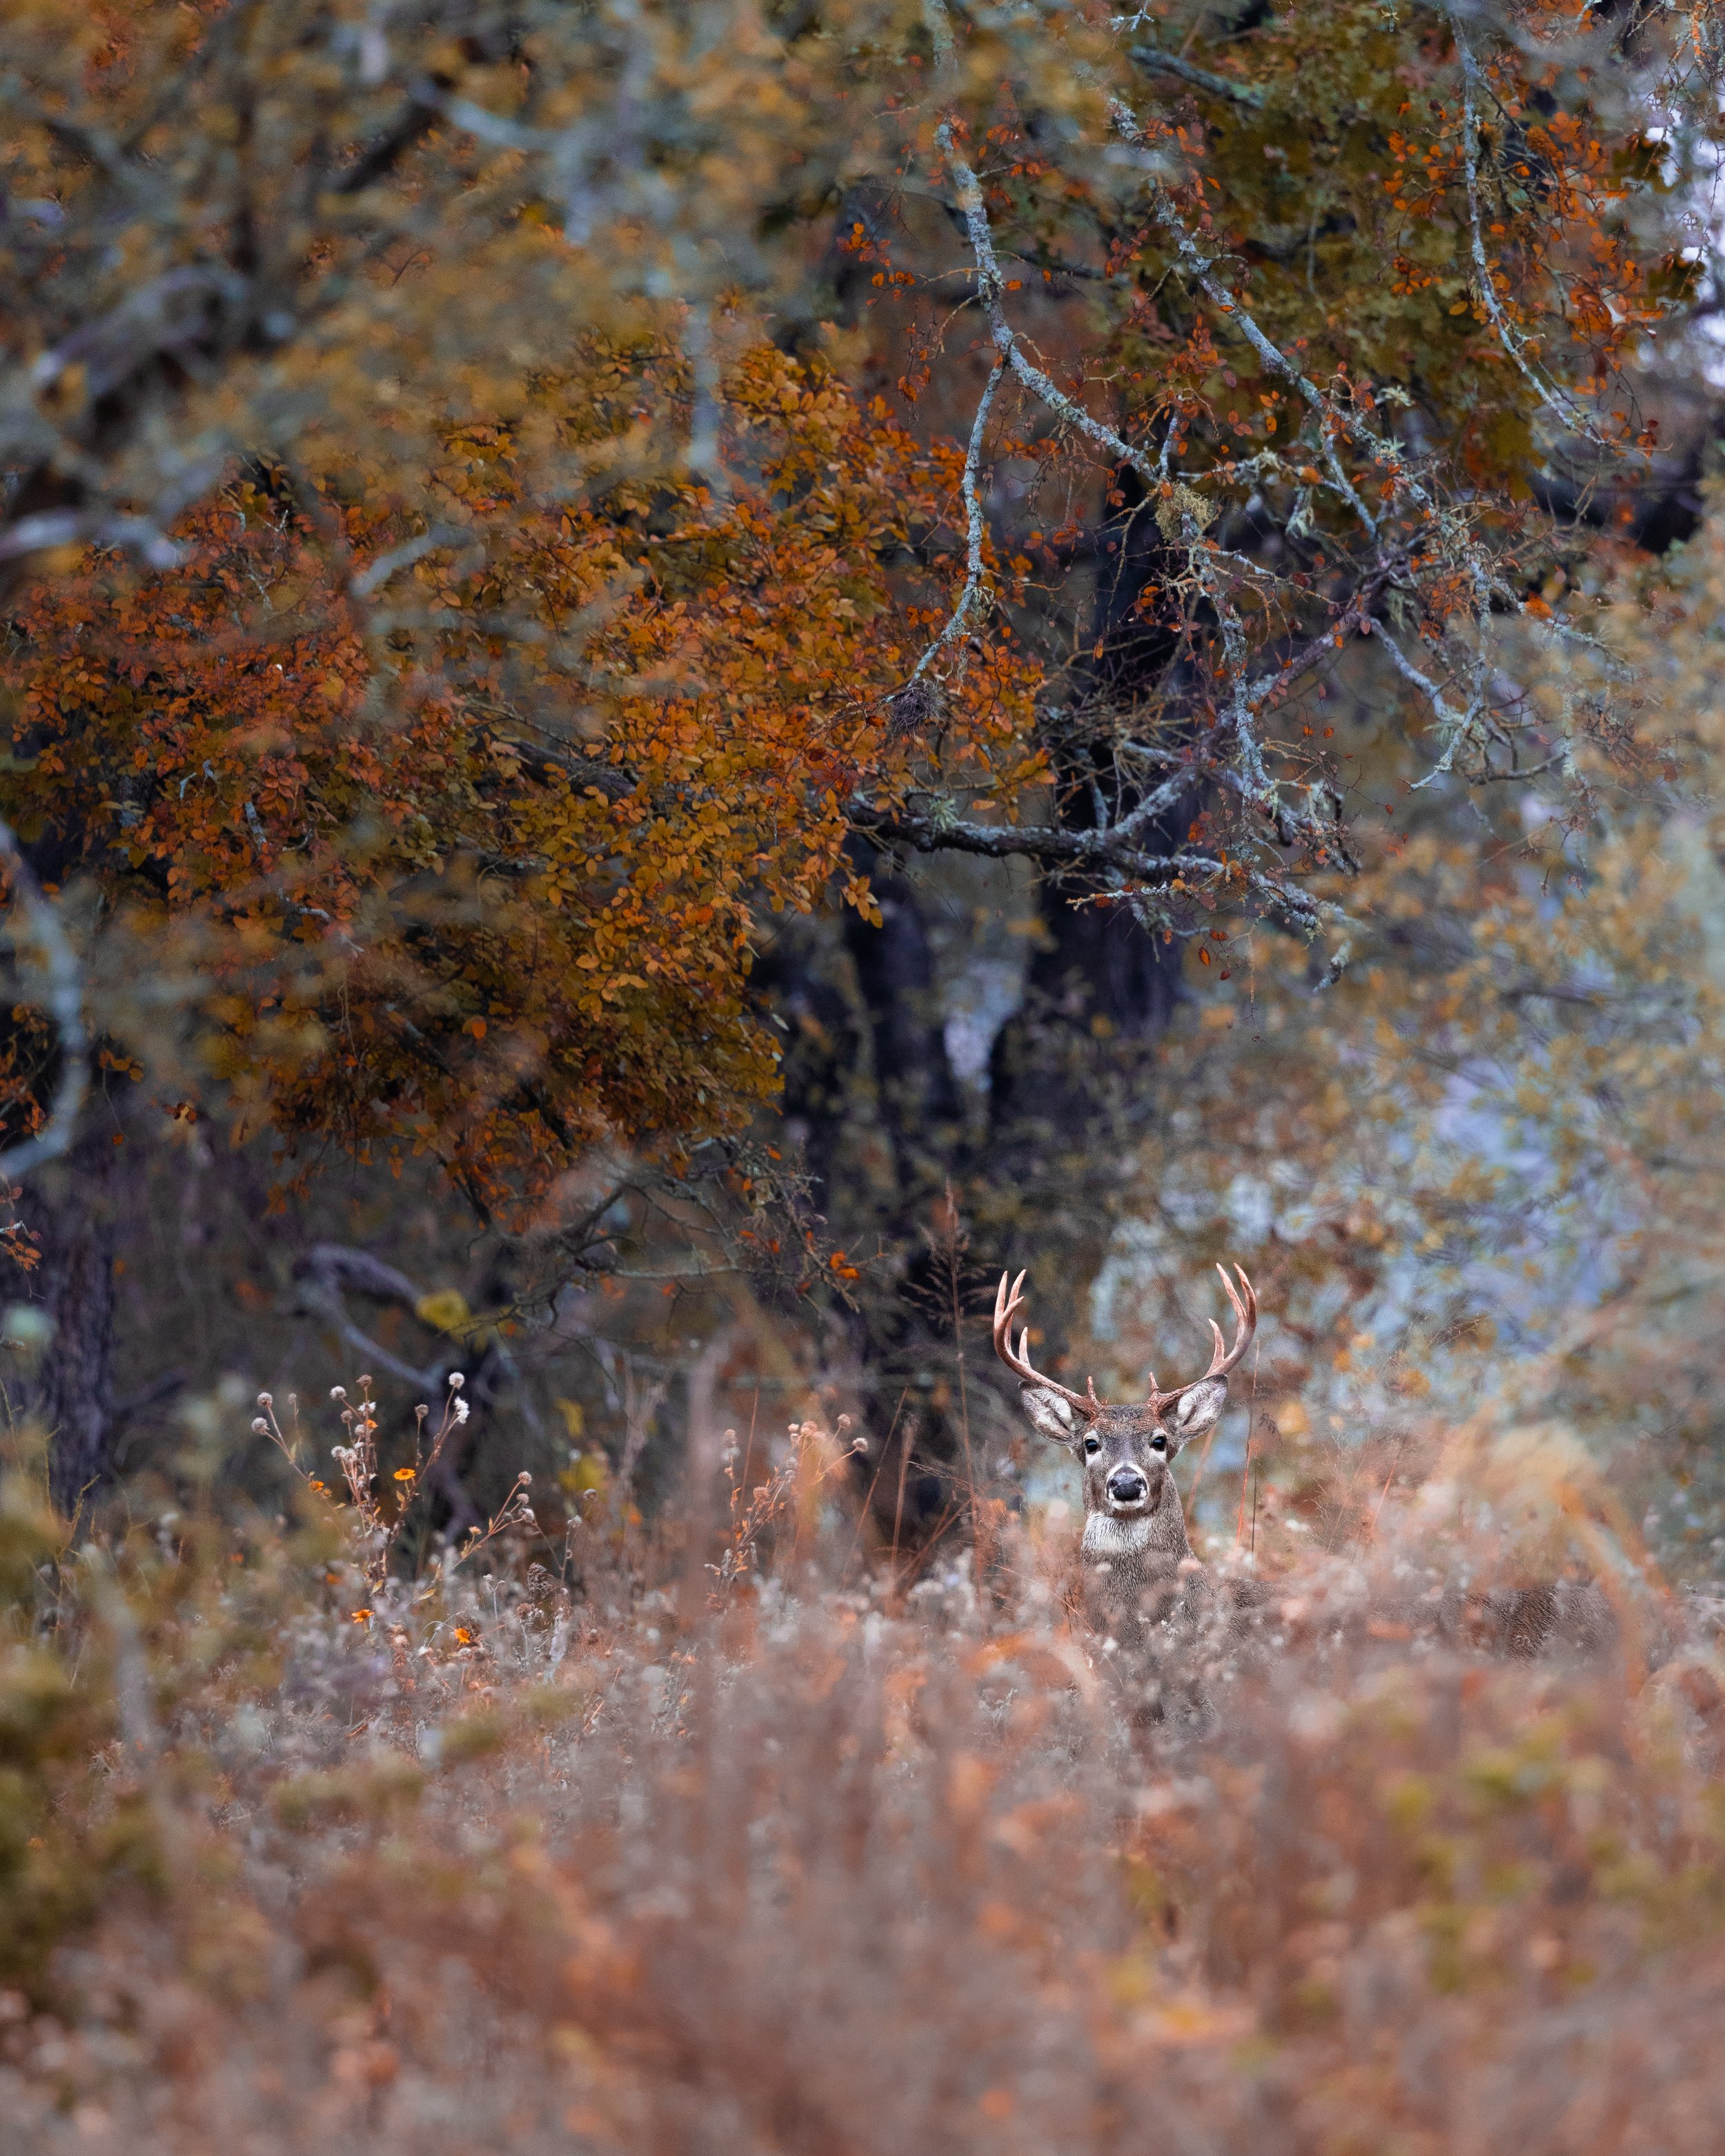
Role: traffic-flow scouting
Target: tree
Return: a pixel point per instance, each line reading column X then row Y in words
column 425, row 349
column 438, row 909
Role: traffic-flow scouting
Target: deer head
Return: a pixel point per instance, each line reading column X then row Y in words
column 1125, row 1450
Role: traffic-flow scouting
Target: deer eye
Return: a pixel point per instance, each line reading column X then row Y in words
column 1158, row 1444
column 1092, row 1445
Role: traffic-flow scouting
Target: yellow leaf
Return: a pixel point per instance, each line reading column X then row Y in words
column 587, row 1471
column 445, row 1309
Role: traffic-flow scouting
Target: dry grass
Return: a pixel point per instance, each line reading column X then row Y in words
column 759, row 1859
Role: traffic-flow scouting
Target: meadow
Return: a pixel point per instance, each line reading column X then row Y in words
column 762, row 1843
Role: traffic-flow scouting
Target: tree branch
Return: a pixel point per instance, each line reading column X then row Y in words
column 1556, row 401
column 1087, row 852
column 1151, row 60
column 973, row 591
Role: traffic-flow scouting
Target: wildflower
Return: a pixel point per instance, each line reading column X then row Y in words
column 405, row 1473
column 338, row 1392
column 266, row 1399
column 461, row 1411
column 260, row 1426
column 456, row 1381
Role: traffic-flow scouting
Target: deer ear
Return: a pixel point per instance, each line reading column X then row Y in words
column 1051, row 1414
column 1199, row 1411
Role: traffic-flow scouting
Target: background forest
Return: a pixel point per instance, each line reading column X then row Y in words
column 676, row 679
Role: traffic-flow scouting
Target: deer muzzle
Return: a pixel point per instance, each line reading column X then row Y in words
column 1127, row 1486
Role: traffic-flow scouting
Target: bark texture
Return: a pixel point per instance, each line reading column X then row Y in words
column 76, row 1209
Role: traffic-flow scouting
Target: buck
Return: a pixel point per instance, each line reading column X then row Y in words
column 1141, row 1576
column 1140, row 1571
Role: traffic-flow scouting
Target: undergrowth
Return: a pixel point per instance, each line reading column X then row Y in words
column 743, row 1843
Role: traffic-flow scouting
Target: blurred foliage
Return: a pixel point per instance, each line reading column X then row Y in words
column 481, row 884
column 54, row 1717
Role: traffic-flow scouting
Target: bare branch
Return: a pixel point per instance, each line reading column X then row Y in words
column 991, row 288
column 1457, row 725
column 974, row 592
column 1153, row 60
column 1259, row 789
column 322, row 1277
column 1353, row 617
column 1334, row 418
column 1090, row 852
column 76, row 527
column 410, row 551
column 1556, row 401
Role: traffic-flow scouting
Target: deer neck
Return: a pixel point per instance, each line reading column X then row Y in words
column 1152, row 1542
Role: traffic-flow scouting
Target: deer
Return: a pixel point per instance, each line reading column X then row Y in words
column 1141, row 1576
column 1142, row 1581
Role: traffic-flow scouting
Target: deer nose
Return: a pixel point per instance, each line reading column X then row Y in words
column 1127, row 1486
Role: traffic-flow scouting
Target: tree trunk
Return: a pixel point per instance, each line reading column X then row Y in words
column 1096, row 975
column 75, row 1209
column 1066, row 1095
column 913, row 1073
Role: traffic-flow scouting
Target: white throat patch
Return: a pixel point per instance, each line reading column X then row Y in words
column 1105, row 1535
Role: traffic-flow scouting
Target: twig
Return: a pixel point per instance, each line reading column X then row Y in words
column 1153, row 60
column 371, row 579
column 1333, row 418
column 991, row 289
column 1555, row 400
column 515, row 1512
column 52, row 528
column 973, row 591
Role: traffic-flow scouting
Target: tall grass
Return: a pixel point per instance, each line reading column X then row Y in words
column 751, row 1847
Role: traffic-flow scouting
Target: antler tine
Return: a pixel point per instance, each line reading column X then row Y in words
column 1007, row 1306
column 1246, row 1315
column 1224, row 1358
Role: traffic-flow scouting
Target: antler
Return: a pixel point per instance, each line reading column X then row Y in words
column 1006, row 1308
column 1008, row 1305
column 1226, row 1357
